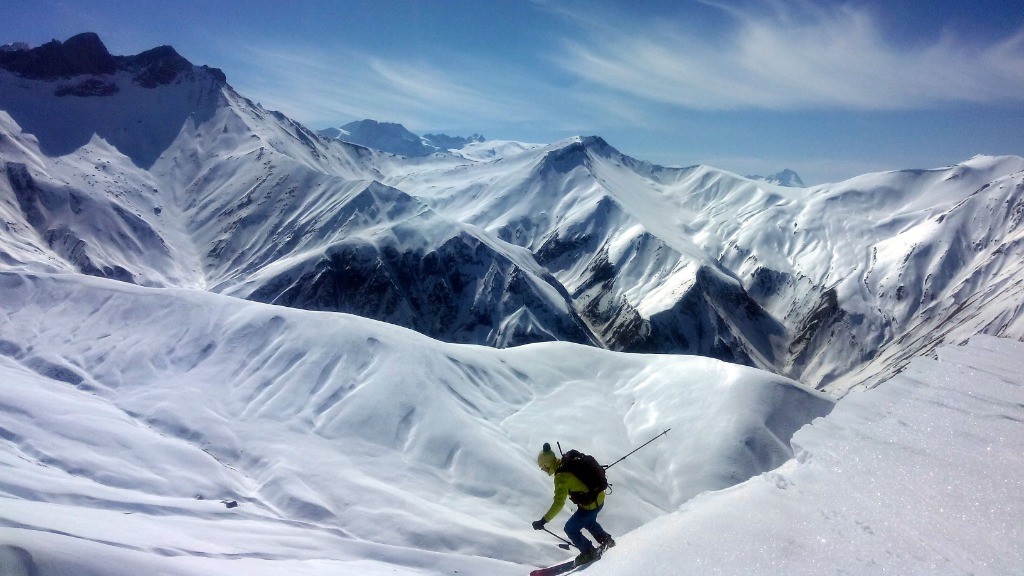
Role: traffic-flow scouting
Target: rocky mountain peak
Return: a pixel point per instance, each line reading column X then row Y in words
column 86, row 55
column 81, row 54
column 155, row 67
column 786, row 177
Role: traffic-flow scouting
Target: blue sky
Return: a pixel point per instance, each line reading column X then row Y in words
column 830, row 89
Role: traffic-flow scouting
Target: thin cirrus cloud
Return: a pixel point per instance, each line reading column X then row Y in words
column 320, row 88
column 814, row 58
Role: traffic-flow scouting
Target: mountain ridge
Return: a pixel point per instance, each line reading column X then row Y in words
column 85, row 54
column 397, row 139
column 786, row 177
column 833, row 285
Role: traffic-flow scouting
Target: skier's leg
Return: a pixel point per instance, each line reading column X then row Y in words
column 574, row 529
column 595, row 528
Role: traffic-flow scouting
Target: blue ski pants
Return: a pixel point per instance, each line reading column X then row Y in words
column 585, row 519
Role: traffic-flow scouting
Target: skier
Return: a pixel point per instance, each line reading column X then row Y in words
column 567, row 474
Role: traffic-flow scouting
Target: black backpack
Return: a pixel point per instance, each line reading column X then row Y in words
column 589, row 471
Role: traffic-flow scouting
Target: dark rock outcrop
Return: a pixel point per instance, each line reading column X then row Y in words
column 86, row 55
column 81, row 54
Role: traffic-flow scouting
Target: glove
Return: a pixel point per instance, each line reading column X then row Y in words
column 539, row 524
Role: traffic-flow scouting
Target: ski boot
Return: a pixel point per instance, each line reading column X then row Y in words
column 587, row 557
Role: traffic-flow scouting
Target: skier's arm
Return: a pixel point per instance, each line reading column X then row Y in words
column 561, row 493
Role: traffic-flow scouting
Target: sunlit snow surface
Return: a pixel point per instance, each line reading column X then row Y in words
column 922, row 475
column 129, row 415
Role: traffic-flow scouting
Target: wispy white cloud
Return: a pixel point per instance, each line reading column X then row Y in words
column 320, row 86
column 794, row 55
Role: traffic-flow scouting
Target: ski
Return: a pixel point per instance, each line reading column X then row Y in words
column 556, row 569
column 566, row 566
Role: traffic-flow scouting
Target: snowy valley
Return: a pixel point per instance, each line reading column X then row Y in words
column 232, row 345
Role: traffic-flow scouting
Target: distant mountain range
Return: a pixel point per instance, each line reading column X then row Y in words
column 786, row 177
column 396, row 139
column 153, row 171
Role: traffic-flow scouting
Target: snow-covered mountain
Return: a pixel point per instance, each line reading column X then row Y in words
column 165, row 408
column 397, row 139
column 833, row 285
column 150, row 170
column 786, row 177
column 189, row 184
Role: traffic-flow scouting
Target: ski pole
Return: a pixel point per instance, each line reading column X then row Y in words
column 641, row 446
column 562, row 546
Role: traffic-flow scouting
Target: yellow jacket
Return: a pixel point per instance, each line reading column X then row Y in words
column 566, row 482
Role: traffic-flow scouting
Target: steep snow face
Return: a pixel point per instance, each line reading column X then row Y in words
column 131, row 414
column 91, row 211
column 138, row 105
column 920, row 475
column 75, row 158
column 618, row 244
column 426, row 272
column 314, row 236
column 872, row 270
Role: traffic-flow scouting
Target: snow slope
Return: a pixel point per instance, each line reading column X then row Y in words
column 129, row 414
column 920, row 475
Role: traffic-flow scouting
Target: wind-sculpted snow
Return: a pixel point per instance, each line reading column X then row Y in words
column 130, row 415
